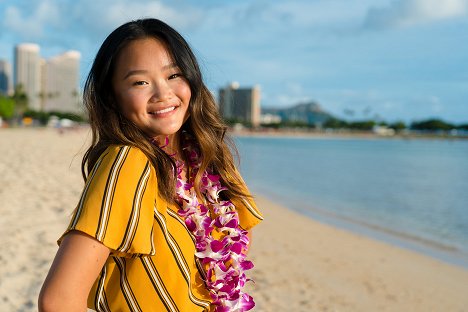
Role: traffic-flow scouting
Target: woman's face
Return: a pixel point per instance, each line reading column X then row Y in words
column 150, row 89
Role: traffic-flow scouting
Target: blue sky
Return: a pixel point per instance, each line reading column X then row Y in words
column 390, row 59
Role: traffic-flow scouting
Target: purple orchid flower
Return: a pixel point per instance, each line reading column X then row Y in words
column 224, row 258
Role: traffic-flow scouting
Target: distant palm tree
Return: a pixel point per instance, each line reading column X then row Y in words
column 21, row 100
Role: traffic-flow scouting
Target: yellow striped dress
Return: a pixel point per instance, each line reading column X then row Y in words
column 151, row 266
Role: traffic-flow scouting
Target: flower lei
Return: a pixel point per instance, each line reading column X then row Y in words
column 224, row 258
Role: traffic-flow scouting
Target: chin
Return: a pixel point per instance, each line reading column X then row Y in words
column 166, row 132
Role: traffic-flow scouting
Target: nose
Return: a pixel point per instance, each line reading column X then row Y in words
column 161, row 91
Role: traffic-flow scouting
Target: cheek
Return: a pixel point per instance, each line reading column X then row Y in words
column 188, row 94
column 121, row 104
column 127, row 103
column 184, row 92
column 187, row 97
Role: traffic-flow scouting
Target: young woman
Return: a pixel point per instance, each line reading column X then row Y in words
column 163, row 218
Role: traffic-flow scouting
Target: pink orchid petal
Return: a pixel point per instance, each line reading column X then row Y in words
column 232, row 224
column 216, row 245
column 247, row 265
column 236, row 248
column 190, row 224
column 247, row 302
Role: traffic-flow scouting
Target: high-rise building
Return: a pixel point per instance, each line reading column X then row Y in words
column 241, row 104
column 6, row 83
column 61, row 88
column 27, row 72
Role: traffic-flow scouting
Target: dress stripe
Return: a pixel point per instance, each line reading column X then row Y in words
column 200, row 267
column 135, row 216
column 104, row 306
column 109, row 192
column 153, row 250
column 100, row 301
column 179, row 259
column 85, row 193
column 129, row 296
column 188, row 278
column 251, row 209
column 162, row 224
column 158, row 285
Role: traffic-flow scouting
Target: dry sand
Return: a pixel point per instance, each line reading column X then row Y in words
column 301, row 265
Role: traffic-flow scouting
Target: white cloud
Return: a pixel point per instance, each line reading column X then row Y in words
column 284, row 19
column 403, row 13
column 31, row 25
column 294, row 93
column 108, row 14
column 56, row 20
column 286, row 100
column 294, row 88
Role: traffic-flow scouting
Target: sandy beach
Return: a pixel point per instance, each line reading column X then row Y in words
column 301, row 264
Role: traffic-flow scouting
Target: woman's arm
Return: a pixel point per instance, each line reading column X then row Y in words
column 76, row 266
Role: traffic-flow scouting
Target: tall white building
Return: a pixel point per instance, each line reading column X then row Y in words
column 27, row 72
column 6, row 83
column 61, row 83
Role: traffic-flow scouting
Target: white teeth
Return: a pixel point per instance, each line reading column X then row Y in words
column 166, row 110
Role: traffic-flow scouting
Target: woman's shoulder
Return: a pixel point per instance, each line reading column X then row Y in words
column 121, row 158
column 124, row 153
column 124, row 163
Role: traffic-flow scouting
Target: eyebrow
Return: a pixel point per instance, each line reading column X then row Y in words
column 144, row 71
column 135, row 72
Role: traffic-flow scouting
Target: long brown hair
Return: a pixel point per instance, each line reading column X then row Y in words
column 110, row 127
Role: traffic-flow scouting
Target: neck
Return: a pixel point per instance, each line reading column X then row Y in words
column 170, row 144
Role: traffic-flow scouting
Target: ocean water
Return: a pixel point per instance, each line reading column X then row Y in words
column 412, row 193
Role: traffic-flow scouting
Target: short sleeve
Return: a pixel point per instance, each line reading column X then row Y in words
column 249, row 215
column 117, row 204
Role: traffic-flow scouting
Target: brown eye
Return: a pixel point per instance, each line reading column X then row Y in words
column 140, row 83
column 175, row 76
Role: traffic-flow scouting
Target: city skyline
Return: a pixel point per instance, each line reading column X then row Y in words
column 50, row 84
column 357, row 59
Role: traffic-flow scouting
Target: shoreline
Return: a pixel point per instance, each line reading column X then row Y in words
column 340, row 134
column 449, row 254
column 300, row 264
column 331, row 269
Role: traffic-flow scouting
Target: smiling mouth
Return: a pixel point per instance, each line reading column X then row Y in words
column 163, row 111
